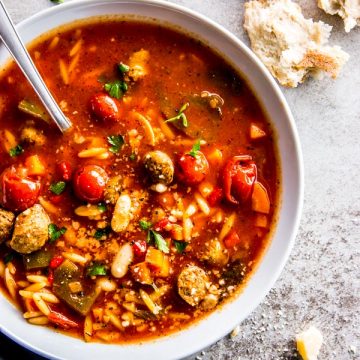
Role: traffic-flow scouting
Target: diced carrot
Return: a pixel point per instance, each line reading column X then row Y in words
column 215, row 157
column 141, row 273
column 232, row 239
column 256, row 132
column 261, row 220
column 260, row 199
column 158, row 262
column 34, row 166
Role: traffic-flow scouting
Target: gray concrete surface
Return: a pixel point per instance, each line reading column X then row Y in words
column 320, row 284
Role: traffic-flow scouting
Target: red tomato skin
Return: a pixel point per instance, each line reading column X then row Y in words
column 104, row 108
column 56, row 199
column 162, row 224
column 192, row 170
column 51, row 277
column 64, row 170
column 62, row 320
column 239, row 176
column 232, row 239
column 139, row 248
column 215, row 196
column 56, row 261
column 89, row 183
column 18, row 193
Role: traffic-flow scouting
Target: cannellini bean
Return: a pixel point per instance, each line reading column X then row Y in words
column 121, row 215
column 122, row 261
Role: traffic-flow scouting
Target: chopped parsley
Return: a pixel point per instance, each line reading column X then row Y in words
column 116, row 89
column 96, row 270
column 116, row 142
column 132, row 157
column 102, row 207
column 57, row 1
column 58, row 187
column 195, row 149
column 145, row 225
column 100, row 233
column 16, row 151
column 180, row 246
column 123, row 68
column 180, row 116
column 158, row 240
column 55, row 232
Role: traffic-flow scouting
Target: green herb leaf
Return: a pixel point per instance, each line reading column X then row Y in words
column 117, row 142
column 58, row 188
column 181, row 116
column 8, row 257
column 123, row 67
column 100, row 233
column 102, row 207
column 145, row 225
column 15, row 151
column 180, row 246
column 96, row 270
column 159, row 241
column 57, row 1
column 195, row 149
column 116, row 89
column 55, row 232
column 132, row 157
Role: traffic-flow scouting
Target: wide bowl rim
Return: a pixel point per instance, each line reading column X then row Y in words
column 204, row 20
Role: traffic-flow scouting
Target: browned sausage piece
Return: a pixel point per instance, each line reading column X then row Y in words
column 30, row 230
column 192, row 284
column 7, row 219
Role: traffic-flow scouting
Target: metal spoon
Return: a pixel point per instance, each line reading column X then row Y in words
column 12, row 41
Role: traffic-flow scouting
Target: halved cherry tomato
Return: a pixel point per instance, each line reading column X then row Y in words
column 89, row 183
column 56, row 261
column 64, row 170
column 232, row 239
column 239, row 176
column 62, row 320
column 104, row 107
column 18, row 192
column 139, row 248
column 215, row 196
column 192, row 170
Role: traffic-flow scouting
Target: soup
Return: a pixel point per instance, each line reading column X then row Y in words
column 155, row 207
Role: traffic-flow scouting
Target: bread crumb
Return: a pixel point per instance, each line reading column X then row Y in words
column 291, row 47
column 309, row 342
column 348, row 10
column 235, row 332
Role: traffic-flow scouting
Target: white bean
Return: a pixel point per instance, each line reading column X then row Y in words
column 122, row 261
column 121, row 215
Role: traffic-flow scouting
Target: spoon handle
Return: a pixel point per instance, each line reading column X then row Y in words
column 12, row 41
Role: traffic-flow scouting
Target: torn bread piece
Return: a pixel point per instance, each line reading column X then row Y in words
column 348, row 10
column 309, row 342
column 291, row 47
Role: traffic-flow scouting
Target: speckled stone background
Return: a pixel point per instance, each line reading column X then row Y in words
column 320, row 284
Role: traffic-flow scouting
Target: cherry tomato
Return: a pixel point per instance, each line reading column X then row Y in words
column 18, row 192
column 232, row 239
column 56, row 261
column 215, row 196
column 239, row 176
column 104, row 107
column 139, row 248
column 64, row 170
column 192, row 170
column 89, row 183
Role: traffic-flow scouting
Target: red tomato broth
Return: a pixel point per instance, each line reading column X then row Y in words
column 179, row 68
